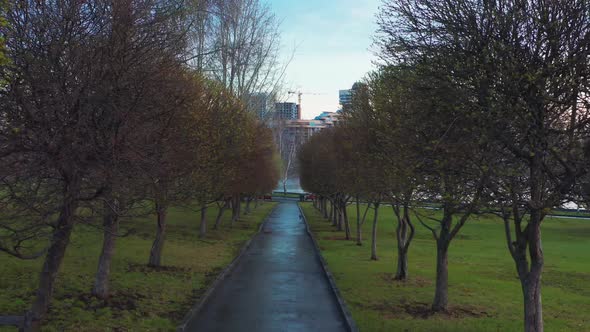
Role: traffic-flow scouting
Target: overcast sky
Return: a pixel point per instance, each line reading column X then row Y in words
column 332, row 42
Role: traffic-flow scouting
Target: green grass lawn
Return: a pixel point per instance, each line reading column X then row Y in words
column 143, row 299
column 581, row 213
column 287, row 195
column 484, row 291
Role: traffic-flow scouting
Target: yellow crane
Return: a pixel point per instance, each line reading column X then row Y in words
column 299, row 98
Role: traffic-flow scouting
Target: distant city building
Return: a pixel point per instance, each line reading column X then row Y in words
column 294, row 133
column 286, row 111
column 329, row 119
column 299, row 131
column 263, row 104
column 345, row 97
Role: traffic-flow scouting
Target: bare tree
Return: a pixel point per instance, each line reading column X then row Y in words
column 48, row 108
column 237, row 42
column 525, row 65
column 288, row 164
column 66, row 116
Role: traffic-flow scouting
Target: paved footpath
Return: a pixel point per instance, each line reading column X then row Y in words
column 277, row 285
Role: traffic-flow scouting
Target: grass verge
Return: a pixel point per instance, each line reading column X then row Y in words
column 143, row 299
column 484, row 291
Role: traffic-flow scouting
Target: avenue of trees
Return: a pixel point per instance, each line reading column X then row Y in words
column 478, row 107
column 104, row 117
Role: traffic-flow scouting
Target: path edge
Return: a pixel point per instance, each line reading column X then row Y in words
column 350, row 324
column 221, row 276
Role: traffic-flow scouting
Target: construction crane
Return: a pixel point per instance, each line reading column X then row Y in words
column 299, row 97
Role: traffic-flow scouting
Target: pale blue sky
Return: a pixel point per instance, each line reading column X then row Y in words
column 332, row 41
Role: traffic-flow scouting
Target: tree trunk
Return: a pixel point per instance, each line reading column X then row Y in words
column 359, row 235
column 235, row 204
column 528, row 239
column 203, row 225
column 402, row 264
column 158, row 245
column 441, row 293
column 111, row 228
column 220, row 214
column 530, row 276
column 405, row 234
column 54, row 258
column 239, row 207
column 346, row 221
column 374, row 233
column 331, row 216
column 325, row 207
column 533, row 309
column 334, row 215
column 402, row 254
column 248, row 201
column 340, row 217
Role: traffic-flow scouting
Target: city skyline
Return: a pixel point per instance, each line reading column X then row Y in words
column 331, row 47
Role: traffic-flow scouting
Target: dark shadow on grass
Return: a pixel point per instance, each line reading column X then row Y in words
column 161, row 269
column 419, row 310
column 335, row 238
column 119, row 301
column 417, row 281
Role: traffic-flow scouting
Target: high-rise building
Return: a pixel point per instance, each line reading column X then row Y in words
column 263, row 104
column 345, row 97
column 286, row 111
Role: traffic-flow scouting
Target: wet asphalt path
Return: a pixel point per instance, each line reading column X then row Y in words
column 278, row 285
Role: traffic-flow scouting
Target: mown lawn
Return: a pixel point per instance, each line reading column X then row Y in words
column 144, row 299
column 484, row 291
column 287, row 195
column 581, row 213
